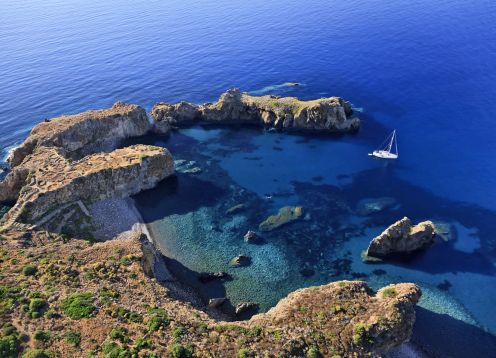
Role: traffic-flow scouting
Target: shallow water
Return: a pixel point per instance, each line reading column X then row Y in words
column 423, row 67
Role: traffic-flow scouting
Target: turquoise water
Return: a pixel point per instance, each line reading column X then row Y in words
column 423, row 67
column 267, row 170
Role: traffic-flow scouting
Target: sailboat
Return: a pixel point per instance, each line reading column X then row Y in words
column 385, row 150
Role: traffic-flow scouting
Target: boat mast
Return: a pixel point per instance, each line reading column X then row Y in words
column 396, row 144
column 391, row 142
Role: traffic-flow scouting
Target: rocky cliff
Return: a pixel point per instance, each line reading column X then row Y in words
column 85, row 133
column 331, row 114
column 96, row 298
column 402, row 237
column 46, row 180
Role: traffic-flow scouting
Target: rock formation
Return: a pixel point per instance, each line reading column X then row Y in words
column 331, row 114
column 285, row 215
column 85, row 133
column 375, row 322
column 402, row 237
column 46, row 180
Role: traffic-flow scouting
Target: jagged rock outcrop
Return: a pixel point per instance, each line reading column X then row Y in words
column 402, row 237
column 84, row 133
column 374, row 323
column 331, row 114
column 47, row 180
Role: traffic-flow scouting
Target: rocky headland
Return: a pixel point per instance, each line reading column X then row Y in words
column 69, row 296
column 331, row 114
column 84, row 133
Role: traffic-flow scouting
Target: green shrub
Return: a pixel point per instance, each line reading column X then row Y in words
column 178, row 332
column 158, row 320
column 78, row 305
column 242, row 353
column 73, row 338
column 179, row 351
column 389, row 292
column 9, row 346
column 362, row 336
column 119, row 334
column 42, row 336
column 35, row 353
column 313, row 352
column 29, row 270
column 36, row 307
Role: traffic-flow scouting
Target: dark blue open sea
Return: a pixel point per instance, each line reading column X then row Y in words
column 426, row 68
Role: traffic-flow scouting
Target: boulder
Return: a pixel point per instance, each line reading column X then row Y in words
column 245, row 306
column 240, row 261
column 252, row 237
column 285, row 215
column 331, row 114
column 216, row 302
column 402, row 238
column 205, row 277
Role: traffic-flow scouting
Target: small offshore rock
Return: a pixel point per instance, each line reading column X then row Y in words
column 285, row 215
column 216, row 302
column 205, row 277
column 252, row 237
column 194, row 170
column 240, row 261
column 402, row 237
column 245, row 306
column 235, row 209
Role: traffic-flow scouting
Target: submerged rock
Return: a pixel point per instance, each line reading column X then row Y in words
column 444, row 230
column 331, row 114
column 205, row 277
column 285, row 215
column 402, row 237
column 373, row 205
column 252, row 237
column 245, row 306
column 240, row 261
column 235, row 209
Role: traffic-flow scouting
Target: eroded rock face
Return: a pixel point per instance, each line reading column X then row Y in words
column 375, row 322
column 47, row 180
column 331, row 114
column 402, row 237
column 85, row 133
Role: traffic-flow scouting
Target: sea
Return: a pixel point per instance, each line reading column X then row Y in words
column 425, row 68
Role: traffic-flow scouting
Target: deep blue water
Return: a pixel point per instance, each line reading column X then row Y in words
column 425, row 68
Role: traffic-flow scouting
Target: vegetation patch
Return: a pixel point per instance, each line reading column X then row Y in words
column 73, row 338
column 78, row 305
column 388, row 292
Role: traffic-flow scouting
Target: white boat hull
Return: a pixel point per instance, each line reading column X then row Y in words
column 384, row 154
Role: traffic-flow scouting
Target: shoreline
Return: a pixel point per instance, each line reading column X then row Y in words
column 161, row 272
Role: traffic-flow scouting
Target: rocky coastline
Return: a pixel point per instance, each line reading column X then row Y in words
column 325, row 115
column 70, row 162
